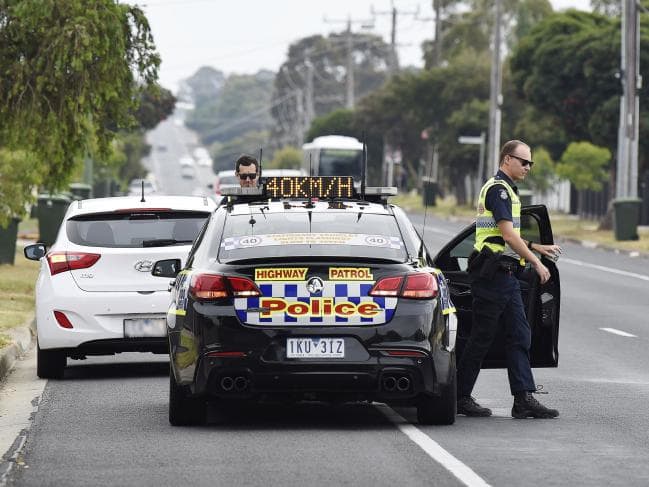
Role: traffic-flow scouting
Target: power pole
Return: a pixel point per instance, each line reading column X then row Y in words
column 394, row 13
column 309, row 108
column 495, row 98
column 627, row 154
column 349, row 99
column 438, row 32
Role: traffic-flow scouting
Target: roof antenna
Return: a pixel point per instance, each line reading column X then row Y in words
column 143, row 200
column 310, row 205
column 420, row 254
column 363, row 167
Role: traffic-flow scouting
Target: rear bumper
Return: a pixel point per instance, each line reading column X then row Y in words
column 95, row 316
column 113, row 346
column 385, row 379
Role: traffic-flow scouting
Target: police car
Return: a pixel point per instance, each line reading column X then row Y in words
column 306, row 289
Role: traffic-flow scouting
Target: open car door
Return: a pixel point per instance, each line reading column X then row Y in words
column 541, row 301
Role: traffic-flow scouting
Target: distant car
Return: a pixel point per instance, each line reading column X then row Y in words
column 187, row 172
column 202, row 157
column 95, row 294
column 135, row 187
column 225, row 179
column 186, row 160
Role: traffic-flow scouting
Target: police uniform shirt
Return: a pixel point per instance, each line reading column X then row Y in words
column 497, row 199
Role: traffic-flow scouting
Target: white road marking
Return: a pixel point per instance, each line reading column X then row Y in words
column 433, row 449
column 606, row 269
column 619, row 332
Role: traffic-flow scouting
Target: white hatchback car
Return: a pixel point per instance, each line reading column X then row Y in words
column 95, row 294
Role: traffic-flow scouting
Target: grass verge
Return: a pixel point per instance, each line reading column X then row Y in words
column 16, row 294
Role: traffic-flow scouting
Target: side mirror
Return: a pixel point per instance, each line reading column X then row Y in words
column 166, row 268
column 35, row 251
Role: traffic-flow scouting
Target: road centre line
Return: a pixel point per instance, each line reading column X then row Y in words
column 605, row 269
column 433, row 449
column 619, row 332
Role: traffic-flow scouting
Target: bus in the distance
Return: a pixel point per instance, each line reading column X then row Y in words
column 333, row 155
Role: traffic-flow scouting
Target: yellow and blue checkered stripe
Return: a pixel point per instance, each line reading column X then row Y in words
column 355, row 292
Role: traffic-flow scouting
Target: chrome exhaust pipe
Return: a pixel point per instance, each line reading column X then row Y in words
column 403, row 384
column 227, row 383
column 389, row 383
column 241, row 384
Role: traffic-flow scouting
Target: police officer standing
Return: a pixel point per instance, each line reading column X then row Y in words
column 500, row 254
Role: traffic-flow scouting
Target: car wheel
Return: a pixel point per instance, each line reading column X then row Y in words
column 50, row 363
column 184, row 410
column 440, row 409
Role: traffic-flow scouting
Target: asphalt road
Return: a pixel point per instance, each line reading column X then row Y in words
column 106, row 422
column 170, row 141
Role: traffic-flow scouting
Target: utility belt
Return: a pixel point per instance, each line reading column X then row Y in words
column 486, row 263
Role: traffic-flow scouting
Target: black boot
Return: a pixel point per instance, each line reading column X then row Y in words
column 466, row 405
column 526, row 406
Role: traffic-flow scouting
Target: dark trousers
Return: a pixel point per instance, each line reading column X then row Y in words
column 497, row 302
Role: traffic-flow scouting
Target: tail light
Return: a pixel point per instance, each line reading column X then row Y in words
column 403, row 353
column 418, row 285
column 204, row 287
column 70, row 261
column 62, row 320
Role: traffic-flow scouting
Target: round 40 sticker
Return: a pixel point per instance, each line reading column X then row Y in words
column 376, row 240
column 249, row 241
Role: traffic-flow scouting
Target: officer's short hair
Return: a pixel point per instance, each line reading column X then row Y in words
column 508, row 148
column 246, row 160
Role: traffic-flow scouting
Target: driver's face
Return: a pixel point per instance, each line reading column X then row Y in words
column 247, row 176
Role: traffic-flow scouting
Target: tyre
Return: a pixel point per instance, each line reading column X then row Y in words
column 184, row 410
column 50, row 363
column 440, row 409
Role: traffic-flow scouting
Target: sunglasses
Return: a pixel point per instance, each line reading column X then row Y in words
column 250, row 176
column 524, row 162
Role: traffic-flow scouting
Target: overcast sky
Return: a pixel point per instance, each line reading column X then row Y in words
column 243, row 36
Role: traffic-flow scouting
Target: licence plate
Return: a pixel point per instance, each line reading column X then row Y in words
column 315, row 348
column 145, row 327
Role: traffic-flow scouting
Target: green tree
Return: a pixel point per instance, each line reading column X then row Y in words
column 225, row 154
column 567, row 67
column 155, row 104
column 204, row 85
column 327, row 57
column 544, row 173
column 241, row 105
column 287, row 157
column 336, row 122
column 584, row 165
column 71, row 71
column 17, row 178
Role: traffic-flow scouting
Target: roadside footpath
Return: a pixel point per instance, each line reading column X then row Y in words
column 18, row 327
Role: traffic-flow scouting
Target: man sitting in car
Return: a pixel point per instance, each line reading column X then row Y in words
column 246, row 170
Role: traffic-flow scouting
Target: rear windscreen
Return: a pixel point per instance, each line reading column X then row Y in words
column 330, row 234
column 229, row 180
column 339, row 162
column 136, row 229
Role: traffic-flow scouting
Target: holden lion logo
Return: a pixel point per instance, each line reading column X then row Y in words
column 314, row 285
column 143, row 265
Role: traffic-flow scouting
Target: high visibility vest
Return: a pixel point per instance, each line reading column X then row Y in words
column 487, row 232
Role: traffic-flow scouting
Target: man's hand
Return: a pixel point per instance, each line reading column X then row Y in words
column 551, row 251
column 542, row 271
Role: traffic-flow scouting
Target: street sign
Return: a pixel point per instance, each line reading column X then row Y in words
column 467, row 139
